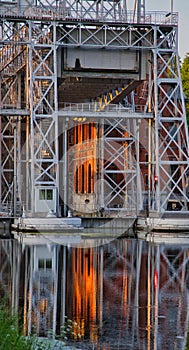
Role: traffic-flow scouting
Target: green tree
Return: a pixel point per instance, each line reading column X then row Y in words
column 185, row 82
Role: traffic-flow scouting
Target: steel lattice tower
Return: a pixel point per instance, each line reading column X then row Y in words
column 54, row 90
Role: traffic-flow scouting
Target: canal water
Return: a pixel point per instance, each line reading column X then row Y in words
column 110, row 294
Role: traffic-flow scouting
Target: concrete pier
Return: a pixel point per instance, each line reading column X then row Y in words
column 71, row 226
column 173, row 222
column 46, row 224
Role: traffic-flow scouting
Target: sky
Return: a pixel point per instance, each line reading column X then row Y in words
column 180, row 6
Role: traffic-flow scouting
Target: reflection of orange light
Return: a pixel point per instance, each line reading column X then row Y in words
column 85, row 290
column 25, row 312
column 43, row 305
column 155, row 279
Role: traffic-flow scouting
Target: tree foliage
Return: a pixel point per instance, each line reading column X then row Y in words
column 185, row 81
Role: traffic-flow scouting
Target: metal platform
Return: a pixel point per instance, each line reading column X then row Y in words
column 172, row 224
column 66, row 230
column 46, row 224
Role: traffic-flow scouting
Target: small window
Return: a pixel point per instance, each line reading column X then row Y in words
column 46, row 194
column 49, row 195
column 41, row 194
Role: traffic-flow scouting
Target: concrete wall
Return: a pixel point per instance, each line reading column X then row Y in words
column 101, row 59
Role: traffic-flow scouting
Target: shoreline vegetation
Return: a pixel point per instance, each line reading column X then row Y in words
column 11, row 335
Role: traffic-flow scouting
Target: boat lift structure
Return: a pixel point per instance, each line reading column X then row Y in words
column 92, row 110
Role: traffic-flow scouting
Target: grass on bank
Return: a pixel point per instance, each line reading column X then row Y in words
column 10, row 334
column 11, row 337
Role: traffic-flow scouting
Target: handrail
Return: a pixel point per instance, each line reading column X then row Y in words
column 80, row 110
column 73, row 10
column 94, row 107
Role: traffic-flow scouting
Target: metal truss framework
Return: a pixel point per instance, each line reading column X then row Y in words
column 171, row 132
column 121, row 157
column 29, row 49
column 42, row 77
column 117, row 180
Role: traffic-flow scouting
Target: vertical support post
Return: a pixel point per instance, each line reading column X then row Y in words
column 63, row 282
column 30, row 96
column 149, row 139
column 156, row 294
column 149, row 163
column 65, row 170
column 101, row 162
column 55, row 257
column 18, row 170
column 15, row 170
column 0, row 134
column 0, row 159
column 101, row 287
column 27, row 172
column 138, row 195
column 57, row 183
column 140, row 10
column 26, row 195
column 138, row 271
column 30, row 291
column 149, row 299
column 25, row 283
column 171, row 9
column 156, row 205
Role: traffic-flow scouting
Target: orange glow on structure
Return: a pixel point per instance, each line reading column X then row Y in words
column 84, row 158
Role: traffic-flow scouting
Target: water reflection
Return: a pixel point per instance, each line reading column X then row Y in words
column 125, row 294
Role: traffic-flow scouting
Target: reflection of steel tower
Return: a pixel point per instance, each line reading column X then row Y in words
column 40, row 291
column 147, row 284
column 55, row 53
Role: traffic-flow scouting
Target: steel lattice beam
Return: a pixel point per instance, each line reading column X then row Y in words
column 171, row 133
column 44, row 105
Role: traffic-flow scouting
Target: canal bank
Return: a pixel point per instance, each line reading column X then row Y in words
column 175, row 221
column 71, row 230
